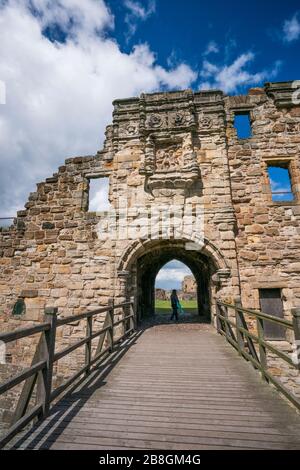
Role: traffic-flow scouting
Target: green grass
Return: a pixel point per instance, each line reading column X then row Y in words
column 166, row 304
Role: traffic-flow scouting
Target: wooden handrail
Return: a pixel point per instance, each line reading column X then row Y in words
column 23, row 332
column 89, row 313
column 237, row 334
column 262, row 315
column 41, row 369
column 12, row 382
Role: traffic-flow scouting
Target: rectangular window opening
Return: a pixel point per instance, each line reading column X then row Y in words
column 242, row 124
column 271, row 303
column 6, row 222
column 280, row 182
column 98, row 194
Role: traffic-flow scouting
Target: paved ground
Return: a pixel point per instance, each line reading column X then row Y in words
column 162, row 316
column 177, row 387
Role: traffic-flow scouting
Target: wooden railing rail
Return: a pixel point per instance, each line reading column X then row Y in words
column 237, row 333
column 40, row 372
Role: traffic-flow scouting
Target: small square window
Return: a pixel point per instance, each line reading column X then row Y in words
column 242, row 125
column 271, row 303
column 280, row 182
column 6, row 222
column 98, row 195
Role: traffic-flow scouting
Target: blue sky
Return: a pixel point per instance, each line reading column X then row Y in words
column 63, row 62
column 193, row 31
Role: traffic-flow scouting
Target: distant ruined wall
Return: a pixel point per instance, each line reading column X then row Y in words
column 189, row 285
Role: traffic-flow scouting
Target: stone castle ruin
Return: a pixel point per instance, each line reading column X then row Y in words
column 188, row 290
column 183, row 185
column 189, row 285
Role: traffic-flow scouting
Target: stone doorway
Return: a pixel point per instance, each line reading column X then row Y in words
column 145, row 260
column 142, row 260
column 176, row 275
column 148, row 266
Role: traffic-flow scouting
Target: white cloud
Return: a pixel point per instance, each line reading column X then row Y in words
column 279, row 186
column 212, row 47
column 59, row 95
column 73, row 16
column 98, row 195
column 291, row 29
column 171, row 275
column 137, row 12
column 176, row 275
column 230, row 77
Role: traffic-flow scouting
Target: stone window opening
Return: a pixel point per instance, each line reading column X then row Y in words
column 98, row 194
column 280, row 182
column 19, row 307
column 242, row 124
column 6, row 222
column 271, row 302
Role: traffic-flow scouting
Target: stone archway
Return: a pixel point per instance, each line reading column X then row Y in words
column 142, row 260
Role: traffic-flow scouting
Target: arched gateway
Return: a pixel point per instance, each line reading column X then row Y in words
column 141, row 262
column 183, row 185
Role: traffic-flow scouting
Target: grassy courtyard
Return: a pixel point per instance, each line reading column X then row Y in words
column 166, row 304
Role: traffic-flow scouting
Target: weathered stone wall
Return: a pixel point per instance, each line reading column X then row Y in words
column 162, row 149
column 189, row 285
column 161, row 294
column 268, row 238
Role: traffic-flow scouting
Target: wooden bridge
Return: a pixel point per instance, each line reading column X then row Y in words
column 172, row 386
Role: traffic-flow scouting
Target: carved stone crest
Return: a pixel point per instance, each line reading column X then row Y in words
column 155, row 120
column 170, row 166
column 205, row 122
column 178, row 119
column 127, row 129
column 131, row 129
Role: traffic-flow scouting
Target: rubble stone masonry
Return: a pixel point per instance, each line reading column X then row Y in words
column 162, row 149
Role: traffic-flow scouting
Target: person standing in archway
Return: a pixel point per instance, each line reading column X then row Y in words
column 174, row 304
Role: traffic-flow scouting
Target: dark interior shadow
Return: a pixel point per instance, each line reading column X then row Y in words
column 70, row 404
column 163, row 317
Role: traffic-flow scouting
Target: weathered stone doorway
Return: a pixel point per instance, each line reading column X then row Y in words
column 150, row 264
column 145, row 259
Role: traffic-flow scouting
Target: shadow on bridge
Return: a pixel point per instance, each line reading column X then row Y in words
column 179, row 386
column 163, row 317
column 66, row 409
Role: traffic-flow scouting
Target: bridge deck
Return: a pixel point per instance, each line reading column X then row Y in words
column 177, row 387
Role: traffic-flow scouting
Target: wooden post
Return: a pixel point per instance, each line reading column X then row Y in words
column 218, row 312
column 262, row 349
column 88, row 345
column 239, row 336
column 50, row 335
column 296, row 324
column 133, row 319
column 111, row 318
column 224, row 311
column 29, row 384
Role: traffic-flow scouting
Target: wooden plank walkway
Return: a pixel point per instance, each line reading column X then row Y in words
column 177, row 387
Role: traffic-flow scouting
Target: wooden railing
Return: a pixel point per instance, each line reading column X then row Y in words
column 254, row 347
column 40, row 372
